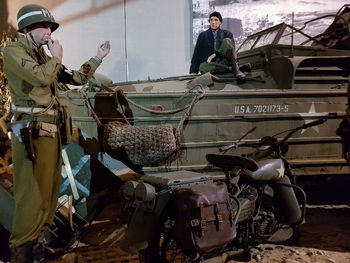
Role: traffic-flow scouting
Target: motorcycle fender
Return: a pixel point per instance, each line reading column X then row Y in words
column 143, row 226
column 286, row 203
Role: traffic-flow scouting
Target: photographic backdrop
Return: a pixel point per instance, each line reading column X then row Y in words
column 246, row 17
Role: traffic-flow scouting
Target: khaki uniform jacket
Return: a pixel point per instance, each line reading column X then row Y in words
column 36, row 183
column 27, row 67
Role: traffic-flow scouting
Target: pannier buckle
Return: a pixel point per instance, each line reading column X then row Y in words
column 195, row 222
column 203, row 224
column 220, row 220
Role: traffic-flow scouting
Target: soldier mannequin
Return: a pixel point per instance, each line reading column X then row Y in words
column 33, row 81
column 215, row 50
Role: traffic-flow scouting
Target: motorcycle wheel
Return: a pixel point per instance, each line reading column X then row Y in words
column 160, row 252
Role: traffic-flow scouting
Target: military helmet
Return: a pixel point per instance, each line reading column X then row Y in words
column 32, row 14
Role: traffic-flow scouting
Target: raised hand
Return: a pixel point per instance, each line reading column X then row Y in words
column 211, row 57
column 103, row 50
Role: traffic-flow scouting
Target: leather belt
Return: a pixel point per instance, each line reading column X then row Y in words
column 36, row 110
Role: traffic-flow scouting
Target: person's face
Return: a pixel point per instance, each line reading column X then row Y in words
column 41, row 33
column 214, row 23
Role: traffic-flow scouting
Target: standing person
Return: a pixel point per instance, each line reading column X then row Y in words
column 38, row 126
column 215, row 45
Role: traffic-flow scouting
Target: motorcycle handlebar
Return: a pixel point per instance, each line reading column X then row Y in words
column 236, row 145
column 313, row 123
column 304, row 126
column 227, row 147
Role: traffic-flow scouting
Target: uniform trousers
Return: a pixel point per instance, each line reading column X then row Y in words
column 36, row 188
column 221, row 64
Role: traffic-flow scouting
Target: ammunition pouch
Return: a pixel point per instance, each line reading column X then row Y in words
column 45, row 129
column 66, row 127
column 27, row 131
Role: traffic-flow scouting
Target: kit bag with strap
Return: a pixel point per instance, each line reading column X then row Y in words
column 204, row 218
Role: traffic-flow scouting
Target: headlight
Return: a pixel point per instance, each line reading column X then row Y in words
column 145, row 192
column 129, row 190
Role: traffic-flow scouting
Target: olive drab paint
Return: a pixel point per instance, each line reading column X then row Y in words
column 31, row 14
column 281, row 92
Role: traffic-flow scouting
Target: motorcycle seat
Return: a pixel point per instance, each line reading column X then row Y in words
column 228, row 162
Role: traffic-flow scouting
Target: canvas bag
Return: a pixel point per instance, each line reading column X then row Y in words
column 204, row 218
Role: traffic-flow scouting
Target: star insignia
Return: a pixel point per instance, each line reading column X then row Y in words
column 312, row 113
column 281, row 170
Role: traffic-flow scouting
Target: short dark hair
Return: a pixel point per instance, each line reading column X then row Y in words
column 216, row 14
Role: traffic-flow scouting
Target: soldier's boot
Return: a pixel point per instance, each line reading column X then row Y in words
column 231, row 56
column 23, row 254
column 240, row 76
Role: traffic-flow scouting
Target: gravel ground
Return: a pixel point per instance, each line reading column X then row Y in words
column 325, row 238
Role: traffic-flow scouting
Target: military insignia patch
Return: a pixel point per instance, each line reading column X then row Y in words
column 24, row 61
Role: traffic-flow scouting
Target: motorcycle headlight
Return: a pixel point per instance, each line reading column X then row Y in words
column 129, row 190
column 145, row 192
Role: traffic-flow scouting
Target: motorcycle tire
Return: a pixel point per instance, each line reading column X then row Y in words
column 153, row 253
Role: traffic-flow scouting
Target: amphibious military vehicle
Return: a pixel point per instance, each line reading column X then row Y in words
column 292, row 78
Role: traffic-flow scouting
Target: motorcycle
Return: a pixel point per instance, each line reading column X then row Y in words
column 261, row 205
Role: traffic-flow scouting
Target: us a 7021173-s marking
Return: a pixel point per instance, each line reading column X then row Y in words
column 261, row 108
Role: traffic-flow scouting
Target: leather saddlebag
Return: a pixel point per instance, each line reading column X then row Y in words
column 203, row 218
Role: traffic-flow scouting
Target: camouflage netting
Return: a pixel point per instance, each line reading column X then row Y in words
column 144, row 145
column 4, row 93
column 5, row 144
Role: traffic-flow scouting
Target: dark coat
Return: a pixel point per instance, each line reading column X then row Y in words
column 205, row 47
